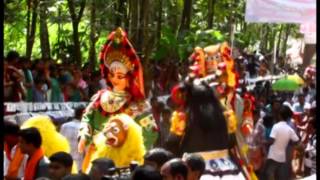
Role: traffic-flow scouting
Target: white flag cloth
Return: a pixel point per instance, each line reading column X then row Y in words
column 281, row 11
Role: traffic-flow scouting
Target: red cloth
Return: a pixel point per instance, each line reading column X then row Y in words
column 32, row 164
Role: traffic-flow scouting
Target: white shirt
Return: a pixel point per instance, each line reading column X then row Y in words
column 297, row 107
column 282, row 133
column 70, row 130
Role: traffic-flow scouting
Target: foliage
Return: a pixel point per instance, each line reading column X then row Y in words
column 170, row 46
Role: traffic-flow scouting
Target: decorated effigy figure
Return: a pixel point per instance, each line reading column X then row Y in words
column 205, row 122
column 121, row 140
column 121, row 68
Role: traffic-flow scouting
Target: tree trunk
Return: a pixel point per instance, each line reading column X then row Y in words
column 146, row 31
column 76, row 41
column 309, row 50
column 44, row 35
column 28, row 25
column 186, row 16
column 172, row 16
column 279, row 40
column 93, row 39
column 75, row 23
column 159, row 21
column 265, row 37
column 287, row 33
column 272, row 39
column 210, row 13
column 140, row 26
column 120, row 12
column 133, row 12
column 31, row 30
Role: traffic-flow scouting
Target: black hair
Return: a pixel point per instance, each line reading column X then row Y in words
column 177, row 166
column 31, row 136
column 103, row 164
column 205, row 120
column 12, row 55
column 78, row 112
column 11, row 128
column 268, row 120
column 256, row 111
column 159, row 156
column 195, row 162
column 62, row 158
column 166, row 110
column 146, row 173
column 40, row 78
column 285, row 112
column 80, row 176
column 202, row 104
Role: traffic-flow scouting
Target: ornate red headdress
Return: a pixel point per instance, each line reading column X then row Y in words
column 118, row 48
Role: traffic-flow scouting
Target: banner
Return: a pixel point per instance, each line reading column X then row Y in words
column 281, row 11
column 310, row 32
column 59, row 112
column 36, row 107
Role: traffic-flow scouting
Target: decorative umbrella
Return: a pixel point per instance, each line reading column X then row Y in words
column 285, row 85
column 296, row 78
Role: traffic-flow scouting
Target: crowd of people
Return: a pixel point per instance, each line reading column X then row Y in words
column 158, row 162
column 283, row 122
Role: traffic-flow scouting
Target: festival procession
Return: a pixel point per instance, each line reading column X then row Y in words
column 159, row 90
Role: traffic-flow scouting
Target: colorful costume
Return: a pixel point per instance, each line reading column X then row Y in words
column 122, row 69
column 121, row 141
column 213, row 70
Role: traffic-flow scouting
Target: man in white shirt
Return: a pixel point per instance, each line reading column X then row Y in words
column 70, row 131
column 281, row 135
column 299, row 106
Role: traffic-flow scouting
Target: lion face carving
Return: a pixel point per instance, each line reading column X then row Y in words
column 115, row 132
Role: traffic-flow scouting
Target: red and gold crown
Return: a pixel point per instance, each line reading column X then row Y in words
column 118, row 48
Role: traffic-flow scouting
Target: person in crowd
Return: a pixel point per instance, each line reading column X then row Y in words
column 87, row 71
column 51, row 75
column 13, row 57
column 274, row 107
column 80, row 84
column 72, row 93
column 268, row 124
column 146, row 173
column 80, row 176
column 30, row 143
column 310, row 154
column 28, row 80
column 298, row 107
column 196, row 166
column 281, row 134
column 257, row 140
column 164, row 126
column 13, row 160
column 38, row 70
column 93, row 83
column 288, row 101
column 60, row 165
column 13, row 90
column 39, row 91
column 70, row 131
column 156, row 109
column 101, row 167
column 174, row 169
column 157, row 157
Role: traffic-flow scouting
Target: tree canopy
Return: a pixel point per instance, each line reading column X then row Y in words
column 74, row 30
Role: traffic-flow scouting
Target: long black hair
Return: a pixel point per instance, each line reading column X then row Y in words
column 206, row 125
column 203, row 106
